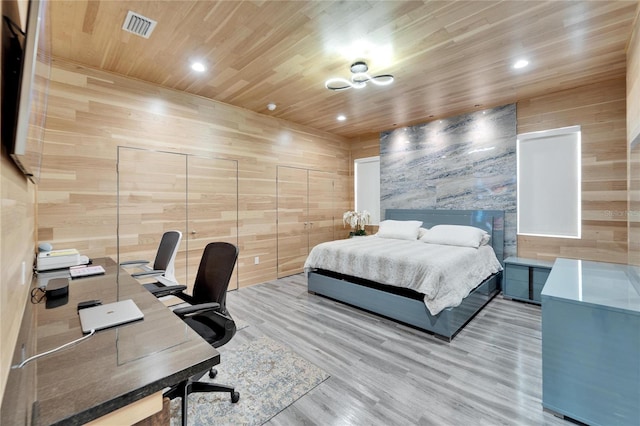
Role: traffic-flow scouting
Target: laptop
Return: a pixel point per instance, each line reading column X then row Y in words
column 109, row 315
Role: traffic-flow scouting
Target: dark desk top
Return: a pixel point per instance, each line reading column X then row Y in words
column 114, row 367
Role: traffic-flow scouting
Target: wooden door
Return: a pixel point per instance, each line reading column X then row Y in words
column 321, row 211
column 292, row 212
column 152, row 188
column 212, row 209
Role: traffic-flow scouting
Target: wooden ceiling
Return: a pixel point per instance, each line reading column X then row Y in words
column 448, row 57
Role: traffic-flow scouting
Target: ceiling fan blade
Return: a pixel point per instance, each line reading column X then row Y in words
column 382, row 80
column 337, row 84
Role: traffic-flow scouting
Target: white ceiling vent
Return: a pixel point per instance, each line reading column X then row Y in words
column 138, row 24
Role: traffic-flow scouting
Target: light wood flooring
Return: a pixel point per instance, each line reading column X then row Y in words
column 385, row 373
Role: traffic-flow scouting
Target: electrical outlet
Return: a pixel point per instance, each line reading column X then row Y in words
column 23, row 273
column 256, row 260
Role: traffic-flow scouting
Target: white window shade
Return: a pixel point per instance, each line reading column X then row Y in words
column 367, row 186
column 549, row 176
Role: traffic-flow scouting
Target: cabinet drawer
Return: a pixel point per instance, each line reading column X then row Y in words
column 517, row 289
column 537, row 289
column 517, row 272
column 540, row 275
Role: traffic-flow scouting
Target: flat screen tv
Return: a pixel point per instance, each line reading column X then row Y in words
column 26, row 68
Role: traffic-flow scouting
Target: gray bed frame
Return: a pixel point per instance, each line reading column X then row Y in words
column 410, row 308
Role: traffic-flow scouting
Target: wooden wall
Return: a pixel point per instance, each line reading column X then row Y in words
column 91, row 112
column 17, row 232
column 633, row 139
column 17, row 236
column 633, row 81
column 600, row 110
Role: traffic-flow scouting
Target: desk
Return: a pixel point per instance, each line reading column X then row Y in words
column 117, row 366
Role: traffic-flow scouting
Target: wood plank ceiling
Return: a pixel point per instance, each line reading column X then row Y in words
column 447, row 57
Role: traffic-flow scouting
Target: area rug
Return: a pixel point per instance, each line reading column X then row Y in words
column 269, row 377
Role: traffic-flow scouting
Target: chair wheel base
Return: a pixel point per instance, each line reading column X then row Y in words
column 235, row 396
column 213, row 373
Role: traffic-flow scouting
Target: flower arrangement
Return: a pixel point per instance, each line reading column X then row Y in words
column 357, row 221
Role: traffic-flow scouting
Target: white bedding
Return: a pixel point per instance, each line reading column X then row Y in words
column 444, row 274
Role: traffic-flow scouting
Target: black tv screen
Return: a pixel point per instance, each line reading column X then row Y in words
column 26, row 66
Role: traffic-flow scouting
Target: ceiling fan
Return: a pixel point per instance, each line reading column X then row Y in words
column 359, row 78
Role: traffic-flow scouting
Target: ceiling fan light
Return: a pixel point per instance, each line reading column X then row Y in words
column 359, row 67
column 361, row 77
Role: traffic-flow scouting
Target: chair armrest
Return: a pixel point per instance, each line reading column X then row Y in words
column 197, row 309
column 224, row 322
column 168, row 290
column 153, row 273
column 164, row 281
column 134, row 262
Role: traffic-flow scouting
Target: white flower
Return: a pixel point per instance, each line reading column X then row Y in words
column 356, row 220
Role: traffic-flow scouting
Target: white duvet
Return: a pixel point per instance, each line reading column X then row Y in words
column 444, row 274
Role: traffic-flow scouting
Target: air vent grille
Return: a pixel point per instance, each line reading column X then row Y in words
column 138, row 24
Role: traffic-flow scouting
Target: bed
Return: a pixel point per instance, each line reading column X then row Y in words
column 407, row 304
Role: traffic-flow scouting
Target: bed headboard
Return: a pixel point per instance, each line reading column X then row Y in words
column 491, row 221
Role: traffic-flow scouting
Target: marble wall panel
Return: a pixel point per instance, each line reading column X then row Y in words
column 462, row 162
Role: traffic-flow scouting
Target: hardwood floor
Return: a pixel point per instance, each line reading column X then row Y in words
column 385, row 373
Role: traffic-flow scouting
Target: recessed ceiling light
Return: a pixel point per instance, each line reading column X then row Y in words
column 198, row 67
column 520, row 64
column 271, row 106
column 341, row 117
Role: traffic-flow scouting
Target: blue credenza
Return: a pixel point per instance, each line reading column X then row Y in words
column 591, row 342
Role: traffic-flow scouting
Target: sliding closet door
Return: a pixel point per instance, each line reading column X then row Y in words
column 162, row 191
column 152, row 199
column 293, row 238
column 320, row 202
column 212, row 213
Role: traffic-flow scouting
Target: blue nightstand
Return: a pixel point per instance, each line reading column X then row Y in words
column 524, row 278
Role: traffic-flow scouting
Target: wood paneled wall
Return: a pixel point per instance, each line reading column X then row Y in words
column 364, row 146
column 633, row 140
column 17, row 236
column 633, row 81
column 91, row 113
column 17, row 231
column 600, row 109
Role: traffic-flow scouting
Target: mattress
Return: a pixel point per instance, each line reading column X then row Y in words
column 444, row 274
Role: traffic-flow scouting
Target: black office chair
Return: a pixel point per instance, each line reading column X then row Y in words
column 163, row 266
column 208, row 315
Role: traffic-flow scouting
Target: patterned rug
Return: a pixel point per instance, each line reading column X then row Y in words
column 269, row 377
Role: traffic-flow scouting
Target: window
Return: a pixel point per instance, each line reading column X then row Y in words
column 367, row 186
column 549, row 175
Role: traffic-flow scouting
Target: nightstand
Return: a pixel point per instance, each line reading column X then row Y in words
column 524, row 278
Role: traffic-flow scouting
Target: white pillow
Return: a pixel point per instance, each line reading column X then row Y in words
column 399, row 229
column 456, row 235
